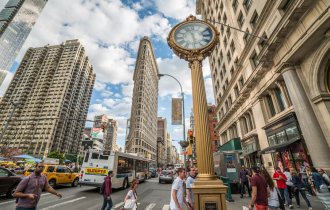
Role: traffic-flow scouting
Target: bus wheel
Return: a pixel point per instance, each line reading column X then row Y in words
column 125, row 183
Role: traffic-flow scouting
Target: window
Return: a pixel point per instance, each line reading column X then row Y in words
column 262, row 42
column 232, row 46
column 228, row 32
column 225, row 42
column 280, row 98
column 240, row 19
column 247, row 4
column 232, row 71
column 246, row 36
column 228, row 56
column 285, row 4
column 50, row 168
column 104, row 157
column 236, row 91
column 270, row 105
column 254, row 60
column 241, row 82
column 4, row 173
column 254, row 19
column 292, row 133
column 222, row 30
column 230, row 101
column 235, row 5
column 125, row 165
column 95, row 156
column 221, row 7
column 86, row 157
column 225, row 19
column 60, row 169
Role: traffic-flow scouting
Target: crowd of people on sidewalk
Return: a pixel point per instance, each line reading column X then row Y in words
column 289, row 184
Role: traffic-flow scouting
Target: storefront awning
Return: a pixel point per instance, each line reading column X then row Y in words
column 274, row 148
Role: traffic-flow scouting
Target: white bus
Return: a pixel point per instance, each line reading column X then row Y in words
column 125, row 167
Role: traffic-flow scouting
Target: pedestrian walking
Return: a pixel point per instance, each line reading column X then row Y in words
column 131, row 197
column 177, row 192
column 289, row 184
column 244, row 177
column 190, row 180
column 325, row 177
column 273, row 199
column 299, row 188
column 321, row 189
column 281, row 185
column 29, row 190
column 259, row 191
column 106, row 191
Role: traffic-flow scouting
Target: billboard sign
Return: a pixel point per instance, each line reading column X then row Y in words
column 176, row 111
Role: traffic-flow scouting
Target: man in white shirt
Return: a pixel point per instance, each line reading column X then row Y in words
column 177, row 192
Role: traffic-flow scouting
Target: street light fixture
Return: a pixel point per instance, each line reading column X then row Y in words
column 183, row 116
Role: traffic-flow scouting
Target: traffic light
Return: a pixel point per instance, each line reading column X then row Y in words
column 190, row 136
column 103, row 127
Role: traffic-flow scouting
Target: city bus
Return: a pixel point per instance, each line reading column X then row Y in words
column 125, row 167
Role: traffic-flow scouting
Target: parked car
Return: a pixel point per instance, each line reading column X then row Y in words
column 8, row 182
column 153, row 172
column 166, row 176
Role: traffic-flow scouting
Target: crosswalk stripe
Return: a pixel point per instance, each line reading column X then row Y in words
column 118, row 205
column 150, row 206
column 63, row 203
column 166, row 207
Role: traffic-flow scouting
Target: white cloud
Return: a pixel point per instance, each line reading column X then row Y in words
column 178, row 9
column 99, row 86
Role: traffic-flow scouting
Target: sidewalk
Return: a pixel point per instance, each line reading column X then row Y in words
column 239, row 202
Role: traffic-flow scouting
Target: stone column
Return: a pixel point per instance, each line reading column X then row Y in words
column 260, row 122
column 311, row 130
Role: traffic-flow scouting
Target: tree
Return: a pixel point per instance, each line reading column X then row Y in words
column 57, row 155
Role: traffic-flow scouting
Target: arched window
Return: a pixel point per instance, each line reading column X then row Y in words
column 270, row 105
column 244, row 125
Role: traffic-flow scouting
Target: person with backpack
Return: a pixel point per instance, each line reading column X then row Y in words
column 29, row 190
column 106, row 190
column 299, row 187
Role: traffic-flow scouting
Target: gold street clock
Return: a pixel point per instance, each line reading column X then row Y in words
column 193, row 38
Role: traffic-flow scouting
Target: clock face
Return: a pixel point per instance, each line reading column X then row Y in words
column 193, row 35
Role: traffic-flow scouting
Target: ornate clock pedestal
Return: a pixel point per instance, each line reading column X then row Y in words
column 193, row 40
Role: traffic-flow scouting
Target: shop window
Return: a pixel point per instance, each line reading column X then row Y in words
column 272, row 140
column 281, row 137
column 270, row 105
column 292, row 133
column 280, row 99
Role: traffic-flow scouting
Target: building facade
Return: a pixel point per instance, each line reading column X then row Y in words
column 272, row 90
column 52, row 89
column 16, row 22
column 174, row 155
column 213, row 121
column 142, row 136
column 111, row 138
column 162, row 142
column 169, row 148
column 99, row 130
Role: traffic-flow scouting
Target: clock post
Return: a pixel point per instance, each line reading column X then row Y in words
column 193, row 40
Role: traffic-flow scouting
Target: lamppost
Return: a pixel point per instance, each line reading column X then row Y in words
column 193, row 40
column 183, row 118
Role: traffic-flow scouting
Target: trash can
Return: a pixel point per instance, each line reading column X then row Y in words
column 226, row 181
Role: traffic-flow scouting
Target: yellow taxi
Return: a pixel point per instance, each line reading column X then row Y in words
column 58, row 174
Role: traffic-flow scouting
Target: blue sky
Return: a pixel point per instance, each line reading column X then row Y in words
column 110, row 30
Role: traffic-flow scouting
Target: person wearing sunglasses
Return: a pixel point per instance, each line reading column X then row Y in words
column 29, row 190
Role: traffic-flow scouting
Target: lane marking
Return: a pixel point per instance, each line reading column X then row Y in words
column 63, row 203
column 150, row 206
column 166, row 207
column 118, row 205
column 12, row 201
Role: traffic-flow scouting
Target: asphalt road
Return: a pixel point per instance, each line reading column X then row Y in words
column 151, row 195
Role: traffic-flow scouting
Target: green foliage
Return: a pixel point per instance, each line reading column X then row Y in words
column 57, row 155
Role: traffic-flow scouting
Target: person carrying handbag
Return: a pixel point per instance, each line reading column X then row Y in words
column 131, row 197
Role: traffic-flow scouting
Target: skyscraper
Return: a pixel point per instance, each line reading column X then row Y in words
column 52, row 89
column 161, row 142
column 111, row 138
column 142, row 136
column 16, row 22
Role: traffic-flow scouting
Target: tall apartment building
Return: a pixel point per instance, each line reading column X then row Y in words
column 272, row 93
column 213, row 121
column 52, row 87
column 142, row 136
column 99, row 128
column 162, row 141
column 16, row 22
column 111, row 137
column 169, row 148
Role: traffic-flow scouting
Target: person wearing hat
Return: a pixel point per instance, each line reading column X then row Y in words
column 107, row 201
column 259, row 191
